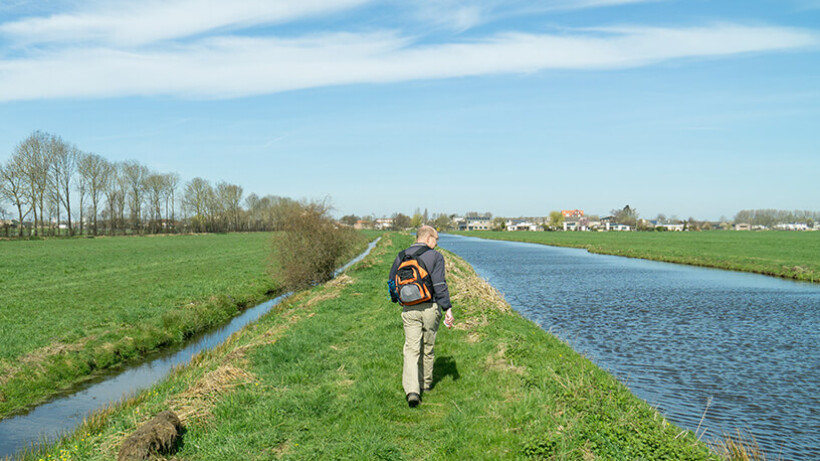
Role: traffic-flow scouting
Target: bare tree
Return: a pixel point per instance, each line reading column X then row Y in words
column 14, row 188
column 134, row 175
column 171, row 185
column 254, row 218
column 115, row 195
column 122, row 196
column 196, row 196
column 63, row 167
column 96, row 174
column 156, row 185
column 34, row 159
column 230, row 197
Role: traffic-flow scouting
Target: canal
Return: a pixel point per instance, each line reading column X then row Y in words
column 741, row 348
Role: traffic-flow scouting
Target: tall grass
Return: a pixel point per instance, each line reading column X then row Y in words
column 739, row 447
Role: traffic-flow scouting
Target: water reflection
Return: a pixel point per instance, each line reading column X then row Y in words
column 677, row 335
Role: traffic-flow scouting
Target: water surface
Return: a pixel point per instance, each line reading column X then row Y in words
column 678, row 336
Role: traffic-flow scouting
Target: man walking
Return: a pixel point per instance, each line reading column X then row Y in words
column 421, row 321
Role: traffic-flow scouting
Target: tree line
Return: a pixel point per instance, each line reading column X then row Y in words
column 771, row 217
column 54, row 188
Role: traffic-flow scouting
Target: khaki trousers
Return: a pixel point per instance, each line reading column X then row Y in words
column 420, row 326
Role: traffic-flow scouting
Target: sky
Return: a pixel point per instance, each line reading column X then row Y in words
column 690, row 108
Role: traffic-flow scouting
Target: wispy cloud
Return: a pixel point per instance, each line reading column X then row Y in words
column 137, row 23
column 223, row 67
column 195, row 48
column 460, row 15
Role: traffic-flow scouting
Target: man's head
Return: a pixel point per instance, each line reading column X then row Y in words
column 427, row 235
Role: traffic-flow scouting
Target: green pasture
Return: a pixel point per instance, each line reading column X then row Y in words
column 794, row 255
column 320, row 378
column 70, row 306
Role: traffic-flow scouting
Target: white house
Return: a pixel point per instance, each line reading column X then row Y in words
column 792, row 227
column 618, row 227
column 383, row 223
column 474, row 223
column 522, row 226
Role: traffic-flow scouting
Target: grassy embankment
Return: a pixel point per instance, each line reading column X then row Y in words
column 319, row 378
column 794, row 255
column 70, row 307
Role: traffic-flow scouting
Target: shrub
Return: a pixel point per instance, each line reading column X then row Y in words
column 310, row 248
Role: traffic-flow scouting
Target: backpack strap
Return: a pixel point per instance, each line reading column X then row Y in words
column 421, row 252
column 429, row 279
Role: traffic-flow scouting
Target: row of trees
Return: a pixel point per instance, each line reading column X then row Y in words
column 49, row 184
column 770, row 217
column 401, row 221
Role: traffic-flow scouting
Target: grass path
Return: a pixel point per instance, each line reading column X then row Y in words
column 319, row 378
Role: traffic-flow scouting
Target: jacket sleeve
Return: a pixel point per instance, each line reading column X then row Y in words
column 441, row 293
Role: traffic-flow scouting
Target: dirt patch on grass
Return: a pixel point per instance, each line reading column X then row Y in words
column 196, row 403
column 473, row 337
column 331, row 290
column 7, row 370
column 499, row 362
column 37, row 357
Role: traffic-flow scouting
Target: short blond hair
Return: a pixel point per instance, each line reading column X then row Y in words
column 424, row 232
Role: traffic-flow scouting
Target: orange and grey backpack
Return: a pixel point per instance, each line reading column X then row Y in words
column 412, row 282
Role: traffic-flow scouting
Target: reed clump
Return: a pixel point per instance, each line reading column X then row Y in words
column 742, row 446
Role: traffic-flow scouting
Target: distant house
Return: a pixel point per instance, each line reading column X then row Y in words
column 383, row 223
column 474, row 223
column 618, row 227
column 572, row 214
column 522, row 226
column 676, row 227
column 792, row 227
column 742, row 226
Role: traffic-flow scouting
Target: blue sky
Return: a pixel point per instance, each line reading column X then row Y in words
column 689, row 108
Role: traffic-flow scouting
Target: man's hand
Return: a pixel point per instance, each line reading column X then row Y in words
column 448, row 318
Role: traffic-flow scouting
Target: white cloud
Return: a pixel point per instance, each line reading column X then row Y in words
column 138, row 23
column 461, row 15
column 238, row 66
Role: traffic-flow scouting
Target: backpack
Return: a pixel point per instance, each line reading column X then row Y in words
column 412, row 284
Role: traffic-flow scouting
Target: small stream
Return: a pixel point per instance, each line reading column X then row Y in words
column 47, row 422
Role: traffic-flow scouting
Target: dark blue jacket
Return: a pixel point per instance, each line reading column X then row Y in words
column 434, row 262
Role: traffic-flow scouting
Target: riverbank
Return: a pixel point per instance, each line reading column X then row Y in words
column 320, row 378
column 792, row 255
column 73, row 308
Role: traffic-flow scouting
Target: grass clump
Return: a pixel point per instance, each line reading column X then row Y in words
column 321, row 379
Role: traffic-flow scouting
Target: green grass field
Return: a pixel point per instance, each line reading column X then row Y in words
column 68, row 307
column 794, row 255
column 320, row 378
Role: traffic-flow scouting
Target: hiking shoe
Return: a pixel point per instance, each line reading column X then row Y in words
column 413, row 399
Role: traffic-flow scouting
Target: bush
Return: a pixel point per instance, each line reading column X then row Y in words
column 310, row 248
